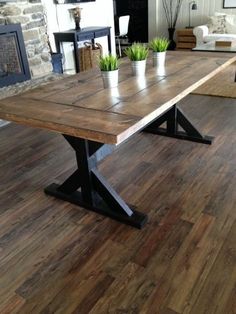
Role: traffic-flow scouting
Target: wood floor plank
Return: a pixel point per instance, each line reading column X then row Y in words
column 12, row 305
column 155, row 239
column 231, row 302
column 94, row 295
column 106, row 303
column 183, row 271
column 220, row 282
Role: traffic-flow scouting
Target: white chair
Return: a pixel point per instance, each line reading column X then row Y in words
column 123, row 24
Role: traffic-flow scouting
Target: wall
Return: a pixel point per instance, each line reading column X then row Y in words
column 152, row 17
column 30, row 13
column 99, row 13
column 158, row 25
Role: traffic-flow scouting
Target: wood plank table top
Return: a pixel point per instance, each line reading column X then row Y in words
column 79, row 105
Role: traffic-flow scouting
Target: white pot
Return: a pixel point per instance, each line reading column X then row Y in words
column 159, row 59
column 138, row 67
column 110, row 78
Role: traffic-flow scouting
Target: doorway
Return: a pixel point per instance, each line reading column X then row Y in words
column 138, row 11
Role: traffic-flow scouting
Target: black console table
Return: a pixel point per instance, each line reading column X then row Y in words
column 75, row 36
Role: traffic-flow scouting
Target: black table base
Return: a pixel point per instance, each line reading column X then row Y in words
column 175, row 118
column 95, row 194
column 87, row 188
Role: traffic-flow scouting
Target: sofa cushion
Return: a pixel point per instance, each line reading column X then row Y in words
column 213, row 37
column 217, row 24
column 230, row 22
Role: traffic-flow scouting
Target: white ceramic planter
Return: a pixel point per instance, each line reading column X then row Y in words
column 110, row 78
column 159, row 59
column 138, row 67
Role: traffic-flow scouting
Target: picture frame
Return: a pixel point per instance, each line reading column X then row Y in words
column 229, row 4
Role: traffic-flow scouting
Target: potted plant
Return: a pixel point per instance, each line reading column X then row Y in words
column 109, row 69
column 137, row 53
column 159, row 46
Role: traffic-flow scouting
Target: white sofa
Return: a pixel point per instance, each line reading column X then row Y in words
column 220, row 25
column 203, row 35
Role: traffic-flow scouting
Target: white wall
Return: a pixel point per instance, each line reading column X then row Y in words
column 98, row 13
column 158, row 25
column 152, row 17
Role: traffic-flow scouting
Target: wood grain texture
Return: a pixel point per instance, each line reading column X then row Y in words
column 58, row 258
column 79, row 106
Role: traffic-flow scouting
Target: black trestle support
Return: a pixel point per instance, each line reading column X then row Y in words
column 175, row 118
column 95, row 193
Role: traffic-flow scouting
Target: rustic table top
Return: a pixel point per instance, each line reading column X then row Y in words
column 79, row 105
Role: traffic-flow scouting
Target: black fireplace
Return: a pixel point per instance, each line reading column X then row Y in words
column 13, row 60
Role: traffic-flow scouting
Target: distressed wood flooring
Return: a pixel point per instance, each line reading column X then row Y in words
column 58, row 258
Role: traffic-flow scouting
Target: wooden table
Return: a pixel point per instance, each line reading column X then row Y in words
column 84, row 34
column 95, row 120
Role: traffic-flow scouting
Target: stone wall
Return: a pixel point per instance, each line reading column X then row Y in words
column 30, row 14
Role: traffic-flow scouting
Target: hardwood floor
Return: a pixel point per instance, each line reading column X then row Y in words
column 58, row 258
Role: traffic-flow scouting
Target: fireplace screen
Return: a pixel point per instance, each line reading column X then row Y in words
column 13, row 61
column 9, row 59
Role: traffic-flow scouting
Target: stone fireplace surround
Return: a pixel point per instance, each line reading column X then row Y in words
column 30, row 14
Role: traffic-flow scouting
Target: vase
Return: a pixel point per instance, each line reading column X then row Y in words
column 172, row 44
column 110, row 78
column 77, row 23
column 159, row 59
column 138, row 67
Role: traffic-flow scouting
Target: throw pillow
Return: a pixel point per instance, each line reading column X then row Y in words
column 217, row 24
column 231, row 23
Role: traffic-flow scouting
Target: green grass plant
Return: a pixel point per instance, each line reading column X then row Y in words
column 137, row 52
column 108, row 63
column 159, row 44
